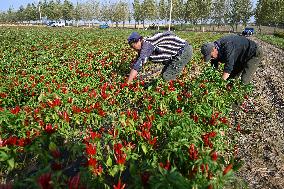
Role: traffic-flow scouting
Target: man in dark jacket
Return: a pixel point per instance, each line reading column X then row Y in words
column 165, row 48
column 240, row 55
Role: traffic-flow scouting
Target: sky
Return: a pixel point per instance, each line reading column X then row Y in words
column 15, row 4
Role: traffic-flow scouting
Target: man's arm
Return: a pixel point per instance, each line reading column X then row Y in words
column 132, row 75
column 146, row 51
column 230, row 59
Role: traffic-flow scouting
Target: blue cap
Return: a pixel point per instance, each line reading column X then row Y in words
column 134, row 36
column 206, row 50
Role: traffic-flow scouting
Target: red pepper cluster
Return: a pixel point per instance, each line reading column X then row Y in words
column 167, row 166
column 15, row 110
column 15, row 141
column 55, row 102
column 206, row 138
column 132, row 114
column 104, row 95
column 193, row 152
column 119, row 155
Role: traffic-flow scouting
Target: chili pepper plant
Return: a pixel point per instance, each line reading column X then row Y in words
column 69, row 119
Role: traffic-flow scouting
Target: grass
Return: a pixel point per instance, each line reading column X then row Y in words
column 277, row 41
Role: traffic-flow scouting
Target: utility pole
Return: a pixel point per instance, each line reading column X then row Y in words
column 39, row 12
column 170, row 20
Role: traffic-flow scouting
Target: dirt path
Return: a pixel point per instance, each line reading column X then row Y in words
column 261, row 146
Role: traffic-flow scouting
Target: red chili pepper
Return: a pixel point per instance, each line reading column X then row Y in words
column 214, row 156
column 74, row 182
column 193, row 153
column 92, row 162
column 238, row 128
column 15, row 110
column 153, row 141
column 179, row 110
column 227, row 169
column 55, row 153
column 145, row 177
column 49, row 129
column 66, row 116
column 119, row 185
column 91, row 149
column 44, row 181
column 70, row 100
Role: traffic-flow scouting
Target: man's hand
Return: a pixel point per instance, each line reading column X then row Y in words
column 132, row 75
column 225, row 75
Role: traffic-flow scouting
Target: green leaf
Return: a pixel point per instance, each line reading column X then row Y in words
column 113, row 171
column 3, row 156
column 52, row 146
column 11, row 163
column 144, row 148
column 109, row 161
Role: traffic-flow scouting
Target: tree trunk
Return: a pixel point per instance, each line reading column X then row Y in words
column 259, row 28
column 232, row 26
column 135, row 24
column 123, row 23
column 116, row 24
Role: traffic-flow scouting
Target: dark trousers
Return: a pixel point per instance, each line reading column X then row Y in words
column 173, row 68
column 249, row 68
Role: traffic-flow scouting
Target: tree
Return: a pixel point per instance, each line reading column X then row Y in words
column 124, row 8
column 137, row 12
column 239, row 11
column 105, row 13
column 54, row 10
column 119, row 12
column 30, row 12
column 67, row 10
column 163, row 13
column 178, row 13
column 2, row 16
column 218, row 12
column 204, row 10
column 269, row 12
column 149, row 10
column 11, row 15
column 191, row 11
column 246, row 11
column 92, row 10
column 77, row 12
column 21, row 14
column 45, row 8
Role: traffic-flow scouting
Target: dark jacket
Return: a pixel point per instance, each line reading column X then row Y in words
column 235, row 51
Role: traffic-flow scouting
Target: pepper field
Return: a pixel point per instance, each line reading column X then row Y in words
column 69, row 120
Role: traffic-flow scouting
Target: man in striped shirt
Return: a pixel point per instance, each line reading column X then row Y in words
column 165, row 48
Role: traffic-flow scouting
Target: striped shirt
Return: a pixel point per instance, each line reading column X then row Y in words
column 161, row 47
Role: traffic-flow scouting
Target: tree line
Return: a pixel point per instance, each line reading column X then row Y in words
column 217, row 12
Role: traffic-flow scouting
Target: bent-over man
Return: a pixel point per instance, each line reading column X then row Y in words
column 166, row 48
column 240, row 55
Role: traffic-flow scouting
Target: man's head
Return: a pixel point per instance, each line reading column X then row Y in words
column 209, row 51
column 135, row 41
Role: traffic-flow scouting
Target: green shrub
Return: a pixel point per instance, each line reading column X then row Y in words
column 279, row 34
